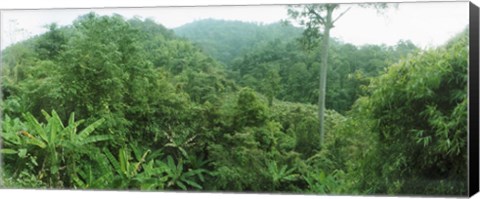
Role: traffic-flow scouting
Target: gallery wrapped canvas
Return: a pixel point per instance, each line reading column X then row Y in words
column 323, row 98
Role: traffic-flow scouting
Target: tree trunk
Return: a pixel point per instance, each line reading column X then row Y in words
column 323, row 71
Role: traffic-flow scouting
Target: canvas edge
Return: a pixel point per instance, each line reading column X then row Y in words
column 473, row 141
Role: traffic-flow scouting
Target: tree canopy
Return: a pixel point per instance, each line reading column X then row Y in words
column 115, row 103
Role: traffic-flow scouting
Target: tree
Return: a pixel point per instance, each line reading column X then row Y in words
column 315, row 17
column 227, row 40
column 52, row 43
column 271, row 84
column 416, row 116
column 319, row 16
column 99, row 66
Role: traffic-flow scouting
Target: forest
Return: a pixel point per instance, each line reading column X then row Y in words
column 110, row 103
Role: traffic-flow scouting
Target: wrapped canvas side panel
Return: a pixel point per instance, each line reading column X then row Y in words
column 474, row 101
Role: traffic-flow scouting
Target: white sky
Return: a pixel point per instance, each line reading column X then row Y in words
column 426, row 24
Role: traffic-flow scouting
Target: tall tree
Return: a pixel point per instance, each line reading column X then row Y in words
column 319, row 19
column 318, row 16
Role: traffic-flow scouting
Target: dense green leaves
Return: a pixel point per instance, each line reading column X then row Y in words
column 298, row 71
column 55, row 145
column 418, row 114
column 133, row 106
column 226, row 40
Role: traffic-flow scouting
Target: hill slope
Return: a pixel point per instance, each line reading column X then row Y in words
column 225, row 40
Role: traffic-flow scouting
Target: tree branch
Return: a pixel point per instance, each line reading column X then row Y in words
column 341, row 14
column 319, row 17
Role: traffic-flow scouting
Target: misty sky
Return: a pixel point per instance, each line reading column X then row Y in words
column 425, row 24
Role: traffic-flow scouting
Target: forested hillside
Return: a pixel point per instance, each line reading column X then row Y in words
column 274, row 53
column 226, row 40
column 115, row 103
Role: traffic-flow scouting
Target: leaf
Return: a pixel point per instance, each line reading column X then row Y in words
column 321, row 177
column 193, row 184
column 90, row 128
column 8, row 151
column 71, row 119
column 112, row 160
column 147, row 186
column 136, row 167
column 45, row 114
column 171, row 145
column 54, row 169
column 181, row 185
column 57, row 119
column 136, row 152
column 22, row 153
column 200, row 176
column 55, row 124
column 155, row 154
column 170, row 162
column 33, row 160
column 33, row 123
column 184, row 153
column 179, row 167
column 290, row 177
column 78, row 182
column 290, row 171
column 123, row 160
column 189, row 174
column 96, row 138
column 37, row 142
column 283, row 169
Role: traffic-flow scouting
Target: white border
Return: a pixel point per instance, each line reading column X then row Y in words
column 32, row 4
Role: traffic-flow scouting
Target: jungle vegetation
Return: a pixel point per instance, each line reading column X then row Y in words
column 113, row 103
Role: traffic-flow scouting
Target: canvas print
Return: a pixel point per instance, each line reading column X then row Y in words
column 338, row 99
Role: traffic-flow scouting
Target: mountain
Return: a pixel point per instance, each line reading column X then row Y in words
column 226, row 40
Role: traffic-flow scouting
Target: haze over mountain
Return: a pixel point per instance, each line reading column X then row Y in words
column 225, row 40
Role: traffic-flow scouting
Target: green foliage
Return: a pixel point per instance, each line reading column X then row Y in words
column 298, row 70
column 54, row 145
column 280, row 175
column 204, row 86
column 321, row 183
column 245, row 155
column 177, row 177
column 271, row 85
column 102, row 55
column 226, row 40
column 250, row 111
column 52, row 43
column 138, row 174
column 300, row 124
column 137, row 107
column 418, row 114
